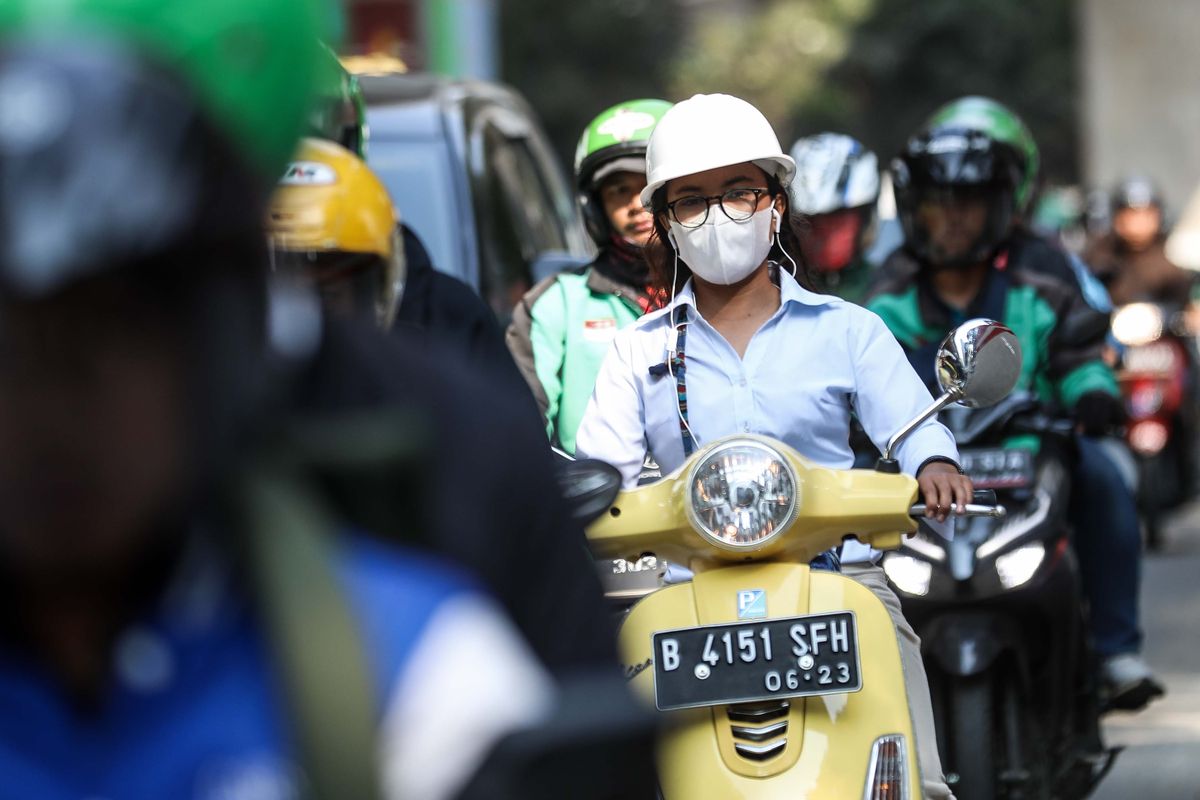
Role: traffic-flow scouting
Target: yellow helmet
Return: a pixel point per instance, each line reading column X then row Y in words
column 332, row 219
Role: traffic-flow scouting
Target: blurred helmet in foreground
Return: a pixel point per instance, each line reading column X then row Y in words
column 340, row 112
column 110, row 162
column 252, row 64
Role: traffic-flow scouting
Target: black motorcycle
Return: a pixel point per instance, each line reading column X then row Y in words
column 1001, row 616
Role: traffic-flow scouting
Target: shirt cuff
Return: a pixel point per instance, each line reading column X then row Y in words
column 944, row 460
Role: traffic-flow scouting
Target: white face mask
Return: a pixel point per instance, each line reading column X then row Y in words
column 723, row 251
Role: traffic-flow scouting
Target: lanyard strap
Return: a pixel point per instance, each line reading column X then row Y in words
column 679, row 369
column 830, row 560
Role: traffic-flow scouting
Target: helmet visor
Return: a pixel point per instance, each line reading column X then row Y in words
column 959, row 225
column 349, row 284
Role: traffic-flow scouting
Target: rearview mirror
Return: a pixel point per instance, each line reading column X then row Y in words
column 979, row 363
column 590, row 487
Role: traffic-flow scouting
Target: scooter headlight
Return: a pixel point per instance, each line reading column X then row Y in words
column 742, row 495
column 1137, row 324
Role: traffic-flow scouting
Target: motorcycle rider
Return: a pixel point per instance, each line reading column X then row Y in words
column 1131, row 259
column 744, row 347
column 174, row 592
column 562, row 327
column 332, row 222
column 837, row 188
column 960, row 183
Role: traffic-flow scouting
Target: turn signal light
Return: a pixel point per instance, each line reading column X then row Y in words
column 887, row 776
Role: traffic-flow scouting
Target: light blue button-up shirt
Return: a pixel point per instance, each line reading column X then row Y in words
column 816, row 360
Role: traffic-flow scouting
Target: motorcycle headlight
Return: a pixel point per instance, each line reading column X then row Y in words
column 1148, row 437
column 1137, row 324
column 910, row 575
column 742, row 495
column 1016, row 568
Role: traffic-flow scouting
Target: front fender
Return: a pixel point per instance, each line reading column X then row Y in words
column 968, row 644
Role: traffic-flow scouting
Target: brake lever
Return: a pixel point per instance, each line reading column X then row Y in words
column 972, row 510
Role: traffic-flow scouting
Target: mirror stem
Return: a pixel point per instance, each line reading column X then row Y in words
column 888, row 462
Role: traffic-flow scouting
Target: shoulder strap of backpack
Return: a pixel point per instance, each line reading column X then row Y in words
column 313, row 636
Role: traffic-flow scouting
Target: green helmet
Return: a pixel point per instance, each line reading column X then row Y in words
column 252, row 63
column 340, row 113
column 620, row 132
column 999, row 123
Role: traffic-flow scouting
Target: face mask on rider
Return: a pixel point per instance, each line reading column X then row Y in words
column 722, row 251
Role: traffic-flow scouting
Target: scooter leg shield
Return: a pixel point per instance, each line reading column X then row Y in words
column 827, row 740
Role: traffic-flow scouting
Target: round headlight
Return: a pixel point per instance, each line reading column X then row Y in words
column 741, row 495
column 1137, row 324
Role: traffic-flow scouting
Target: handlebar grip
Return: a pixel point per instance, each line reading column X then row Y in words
column 972, row 510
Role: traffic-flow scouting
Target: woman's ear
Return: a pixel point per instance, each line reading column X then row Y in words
column 663, row 221
column 778, row 211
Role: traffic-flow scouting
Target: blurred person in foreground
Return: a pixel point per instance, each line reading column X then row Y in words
column 187, row 614
column 837, row 188
column 487, row 499
column 1131, row 259
column 961, row 183
column 562, row 328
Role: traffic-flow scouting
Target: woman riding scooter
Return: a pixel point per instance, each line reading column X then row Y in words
column 755, row 351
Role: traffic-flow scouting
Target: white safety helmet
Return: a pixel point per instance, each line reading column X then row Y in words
column 833, row 172
column 709, row 131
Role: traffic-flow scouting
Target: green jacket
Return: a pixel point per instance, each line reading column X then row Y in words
column 850, row 284
column 560, row 333
column 1031, row 303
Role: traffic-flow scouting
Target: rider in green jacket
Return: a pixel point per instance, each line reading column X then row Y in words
column 562, row 327
column 961, row 184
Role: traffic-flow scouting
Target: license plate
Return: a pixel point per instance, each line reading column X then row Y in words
column 998, row 468
column 743, row 662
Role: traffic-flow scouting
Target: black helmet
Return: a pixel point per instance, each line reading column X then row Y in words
column 107, row 162
column 110, row 167
column 949, row 164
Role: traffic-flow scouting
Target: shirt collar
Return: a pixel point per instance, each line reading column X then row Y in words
column 790, row 291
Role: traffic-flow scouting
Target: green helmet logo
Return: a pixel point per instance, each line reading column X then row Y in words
column 1002, row 125
column 251, row 63
column 620, row 131
column 625, row 124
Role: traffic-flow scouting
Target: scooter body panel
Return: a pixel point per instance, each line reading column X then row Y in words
column 829, row 739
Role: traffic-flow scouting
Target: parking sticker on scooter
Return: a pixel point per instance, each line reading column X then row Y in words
column 752, row 604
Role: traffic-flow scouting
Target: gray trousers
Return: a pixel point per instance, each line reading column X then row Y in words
column 933, row 782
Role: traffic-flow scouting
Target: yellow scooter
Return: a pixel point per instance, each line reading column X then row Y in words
column 779, row 681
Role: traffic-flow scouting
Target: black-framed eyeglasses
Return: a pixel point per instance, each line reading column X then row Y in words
column 738, row 204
